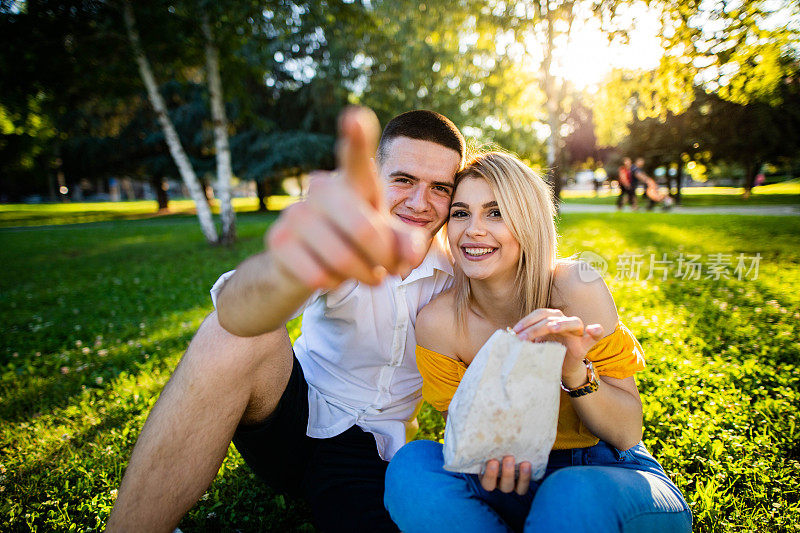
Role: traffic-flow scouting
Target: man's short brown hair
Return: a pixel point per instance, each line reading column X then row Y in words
column 423, row 125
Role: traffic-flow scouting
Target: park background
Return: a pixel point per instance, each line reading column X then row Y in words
column 145, row 147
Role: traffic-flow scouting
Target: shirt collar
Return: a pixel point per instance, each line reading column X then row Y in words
column 437, row 258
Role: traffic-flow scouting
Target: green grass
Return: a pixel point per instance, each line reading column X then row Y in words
column 77, row 213
column 785, row 193
column 96, row 317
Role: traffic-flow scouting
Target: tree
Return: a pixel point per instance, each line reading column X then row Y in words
column 540, row 29
column 714, row 129
column 57, row 83
column 171, row 136
column 736, row 50
column 223, row 152
column 580, row 143
column 762, row 132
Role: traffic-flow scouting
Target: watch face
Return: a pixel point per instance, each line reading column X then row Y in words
column 590, row 371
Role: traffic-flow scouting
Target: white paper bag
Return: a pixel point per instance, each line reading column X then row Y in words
column 506, row 404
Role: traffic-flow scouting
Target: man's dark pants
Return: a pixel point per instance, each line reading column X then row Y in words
column 341, row 477
column 626, row 192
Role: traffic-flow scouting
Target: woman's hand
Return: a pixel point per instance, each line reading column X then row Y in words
column 505, row 479
column 551, row 324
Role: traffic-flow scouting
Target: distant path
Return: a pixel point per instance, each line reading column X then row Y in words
column 769, row 210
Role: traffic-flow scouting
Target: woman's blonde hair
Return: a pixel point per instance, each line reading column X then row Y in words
column 526, row 204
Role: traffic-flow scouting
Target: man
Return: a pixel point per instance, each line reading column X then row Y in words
column 624, row 180
column 324, row 423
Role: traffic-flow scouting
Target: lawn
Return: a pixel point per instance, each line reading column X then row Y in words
column 78, row 213
column 785, row 193
column 97, row 315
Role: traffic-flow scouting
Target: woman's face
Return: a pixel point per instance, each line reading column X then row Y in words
column 482, row 245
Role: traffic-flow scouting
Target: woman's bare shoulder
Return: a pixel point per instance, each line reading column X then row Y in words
column 436, row 324
column 579, row 290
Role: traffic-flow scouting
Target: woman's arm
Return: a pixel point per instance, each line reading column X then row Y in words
column 587, row 311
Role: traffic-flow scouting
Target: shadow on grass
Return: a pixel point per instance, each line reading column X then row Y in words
column 36, row 219
column 49, row 389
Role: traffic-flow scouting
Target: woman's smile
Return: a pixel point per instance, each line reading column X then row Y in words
column 477, row 252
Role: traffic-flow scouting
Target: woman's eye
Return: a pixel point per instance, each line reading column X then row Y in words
column 495, row 213
column 459, row 214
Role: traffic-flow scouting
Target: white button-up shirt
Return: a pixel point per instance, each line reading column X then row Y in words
column 356, row 349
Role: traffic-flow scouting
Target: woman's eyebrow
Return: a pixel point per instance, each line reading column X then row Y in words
column 487, row 205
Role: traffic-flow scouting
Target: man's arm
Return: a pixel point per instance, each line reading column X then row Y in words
column 342, row 231
column 261, row 296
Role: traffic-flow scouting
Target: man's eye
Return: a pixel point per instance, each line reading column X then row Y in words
column 442, row 188
column 401, row 180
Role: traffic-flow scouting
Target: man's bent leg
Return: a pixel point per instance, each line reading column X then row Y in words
column 221, row 381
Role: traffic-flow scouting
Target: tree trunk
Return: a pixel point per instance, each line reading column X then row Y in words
column 669, row 178
column 171, row 136
column 157, row 183
column 223, row 151
column 750, row 177
column 678, row 182
column 51, row 186
column 554, row 97
column 263, row 191
column 552, row 110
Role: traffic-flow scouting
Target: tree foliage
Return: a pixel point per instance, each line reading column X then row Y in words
column 71, row 101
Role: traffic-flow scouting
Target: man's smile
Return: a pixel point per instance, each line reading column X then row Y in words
column 414, row 221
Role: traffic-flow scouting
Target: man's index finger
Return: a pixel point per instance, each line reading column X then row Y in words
column 359, row 131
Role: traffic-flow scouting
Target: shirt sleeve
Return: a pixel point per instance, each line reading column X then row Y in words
column 618, row 355
column 217, row 287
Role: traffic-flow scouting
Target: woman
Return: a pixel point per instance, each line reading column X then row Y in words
column 599, row 476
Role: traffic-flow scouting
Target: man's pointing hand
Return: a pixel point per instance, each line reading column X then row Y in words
column 343, row 230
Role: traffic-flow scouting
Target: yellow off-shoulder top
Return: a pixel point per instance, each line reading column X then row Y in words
column 618, row 355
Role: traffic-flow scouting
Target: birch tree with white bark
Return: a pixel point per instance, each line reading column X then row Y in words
column 222, row 148
column 170, row 134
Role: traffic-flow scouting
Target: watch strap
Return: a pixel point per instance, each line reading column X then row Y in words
column 588, row 388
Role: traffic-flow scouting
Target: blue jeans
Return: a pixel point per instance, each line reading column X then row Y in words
column 598, row 489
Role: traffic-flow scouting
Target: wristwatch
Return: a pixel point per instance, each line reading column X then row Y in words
column 588, row 388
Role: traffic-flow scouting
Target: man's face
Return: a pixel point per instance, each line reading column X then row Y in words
column 419, row 181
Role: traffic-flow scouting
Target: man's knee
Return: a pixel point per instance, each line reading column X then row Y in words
column 217, row 354
column 221, row 351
